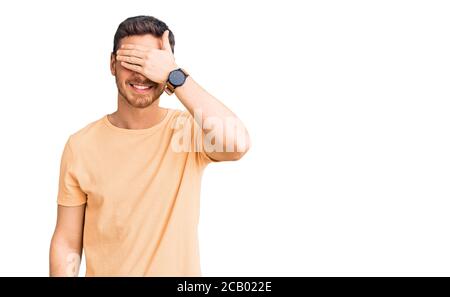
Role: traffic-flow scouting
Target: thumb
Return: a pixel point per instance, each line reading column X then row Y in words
column 165, row 41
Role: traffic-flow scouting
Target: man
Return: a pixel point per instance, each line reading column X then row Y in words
column 130, row 182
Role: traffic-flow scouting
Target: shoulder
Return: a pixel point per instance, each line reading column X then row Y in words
column 87, row 134
column 180, row 118
column 177, row 113
column 181, row 115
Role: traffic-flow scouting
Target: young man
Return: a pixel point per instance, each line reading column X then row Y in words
column 130, row 182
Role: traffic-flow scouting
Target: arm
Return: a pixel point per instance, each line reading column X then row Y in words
column 231, row 139
column 218, row 123
column 67, row 242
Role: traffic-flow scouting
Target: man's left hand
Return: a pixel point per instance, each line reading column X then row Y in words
column 155, row 64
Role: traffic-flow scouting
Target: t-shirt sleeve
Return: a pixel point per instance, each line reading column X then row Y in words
column 196, row 146
column 69, row 192
column 202, row 157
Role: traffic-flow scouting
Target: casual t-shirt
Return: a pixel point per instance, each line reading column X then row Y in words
column 142, row 195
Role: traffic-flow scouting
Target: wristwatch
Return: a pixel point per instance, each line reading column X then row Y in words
column 176, row 79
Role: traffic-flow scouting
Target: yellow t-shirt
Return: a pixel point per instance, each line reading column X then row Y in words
column 142, row 196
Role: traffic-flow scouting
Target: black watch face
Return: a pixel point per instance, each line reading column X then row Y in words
column 177, row 78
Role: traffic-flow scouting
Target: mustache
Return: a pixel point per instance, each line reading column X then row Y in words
column 141, row 81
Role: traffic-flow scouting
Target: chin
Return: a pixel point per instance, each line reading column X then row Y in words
column 141, row 102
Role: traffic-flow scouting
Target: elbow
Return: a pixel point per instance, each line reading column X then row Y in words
column 237, row 156
column 232, row 150
column 241, row 148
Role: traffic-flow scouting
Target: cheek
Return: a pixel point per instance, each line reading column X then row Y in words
column 119, row 67
column 120, row 70
column 122, row 75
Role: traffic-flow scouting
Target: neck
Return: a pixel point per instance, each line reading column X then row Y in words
column 129, row 117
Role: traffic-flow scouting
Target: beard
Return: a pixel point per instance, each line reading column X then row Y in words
column 139, row 100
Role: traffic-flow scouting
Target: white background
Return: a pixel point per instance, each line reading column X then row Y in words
column 347, row 104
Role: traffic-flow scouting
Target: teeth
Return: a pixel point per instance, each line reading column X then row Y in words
column 141, row 87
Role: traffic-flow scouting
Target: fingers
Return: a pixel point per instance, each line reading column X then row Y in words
column 132, row 46
column 131, row 52
column 133, row 67
column 131, row 60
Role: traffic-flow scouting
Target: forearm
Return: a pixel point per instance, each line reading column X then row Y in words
column 215, row 119
column 65, row 257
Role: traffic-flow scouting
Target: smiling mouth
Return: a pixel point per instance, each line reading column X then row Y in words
column 140, row 88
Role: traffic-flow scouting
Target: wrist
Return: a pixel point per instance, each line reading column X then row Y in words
column 171, row 68
column 176, row 79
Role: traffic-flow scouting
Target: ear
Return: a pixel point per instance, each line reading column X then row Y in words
column 165, row 42
column 112, row 64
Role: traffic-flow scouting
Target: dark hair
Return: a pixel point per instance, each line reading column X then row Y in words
column 141, row 25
